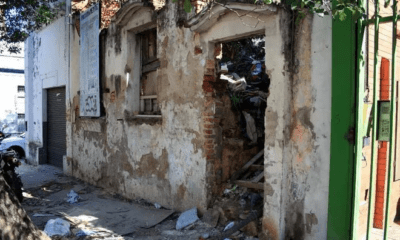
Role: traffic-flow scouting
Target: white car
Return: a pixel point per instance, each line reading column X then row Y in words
column 16, row 143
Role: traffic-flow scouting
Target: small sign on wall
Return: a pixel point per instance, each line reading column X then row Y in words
column 384, row 121
column 89, row 63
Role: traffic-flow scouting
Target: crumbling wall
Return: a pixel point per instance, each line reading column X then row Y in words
column 161, row 160
column 297, row 149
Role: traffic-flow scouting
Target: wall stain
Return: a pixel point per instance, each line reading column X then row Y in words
column 149, row 166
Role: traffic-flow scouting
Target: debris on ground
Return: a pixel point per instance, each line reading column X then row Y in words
column 57, row 227
column 229, row 226
column 85, row 232
column 73, row 197
column 158, row 206
column 101, row 215
column 186, row 218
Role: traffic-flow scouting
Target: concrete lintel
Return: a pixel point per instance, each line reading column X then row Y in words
column 206, row 19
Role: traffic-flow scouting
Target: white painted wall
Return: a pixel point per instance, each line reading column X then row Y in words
column 46, row 66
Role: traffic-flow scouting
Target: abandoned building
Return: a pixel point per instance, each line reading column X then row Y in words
column 167, row 106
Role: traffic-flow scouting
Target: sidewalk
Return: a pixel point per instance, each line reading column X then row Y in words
column 103, row 215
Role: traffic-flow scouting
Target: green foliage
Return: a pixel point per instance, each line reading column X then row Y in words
column 21, row 17
column 187, row 6
column 235, row 100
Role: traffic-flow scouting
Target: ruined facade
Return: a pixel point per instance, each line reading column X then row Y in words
column 164, row 133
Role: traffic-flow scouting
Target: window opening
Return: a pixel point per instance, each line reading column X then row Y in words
column 21, row 89
column 148, row 79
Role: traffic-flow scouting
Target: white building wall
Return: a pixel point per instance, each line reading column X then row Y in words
column 46, row 67
column 12, row 102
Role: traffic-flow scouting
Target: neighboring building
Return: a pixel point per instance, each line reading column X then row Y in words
column 12, row 91
column 147, row 114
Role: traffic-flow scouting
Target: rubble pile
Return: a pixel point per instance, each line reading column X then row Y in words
column 243, row 67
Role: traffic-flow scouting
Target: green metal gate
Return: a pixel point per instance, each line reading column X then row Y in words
column 348, row 42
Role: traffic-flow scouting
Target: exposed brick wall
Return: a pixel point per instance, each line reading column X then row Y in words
column 210, row 125
column 380, row 185
column 384, row 91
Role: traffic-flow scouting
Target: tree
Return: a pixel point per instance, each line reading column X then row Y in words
column 18, row 18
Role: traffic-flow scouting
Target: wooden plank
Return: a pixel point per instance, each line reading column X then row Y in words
column 259, row 177
column 247, row 165
column 150, row 67
column 255, row 167
column 250, row 184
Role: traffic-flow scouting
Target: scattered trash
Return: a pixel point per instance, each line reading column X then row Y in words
column 229, row 226
column 43, row 215
column 84, row 232
column 250, row 127
column 73, row 197
column 227, row 191
column 242, row 202
column 187, row 218
column 57, row 226
column 158, row 206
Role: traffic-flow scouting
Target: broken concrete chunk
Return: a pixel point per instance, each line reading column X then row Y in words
column 187, row 218
column 57, row 227
column 211, row 217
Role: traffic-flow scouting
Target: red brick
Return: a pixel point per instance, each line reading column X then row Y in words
column 207, row 114
column 209, row 146
column 210, row 63
column 209, row 72
column 208, row 126
column 197, row 50
column 209, row 141
column 216, row 120
column 210, row 120
column 208, row 131
column 379, row 211
column 207, row 87
column 210, row 151
column 207, row 78
column 381, row 177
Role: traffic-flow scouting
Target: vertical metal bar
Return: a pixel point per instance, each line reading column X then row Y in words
column 374, row 126
column 360, row 81
column 392, row 120
column 341, row 170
